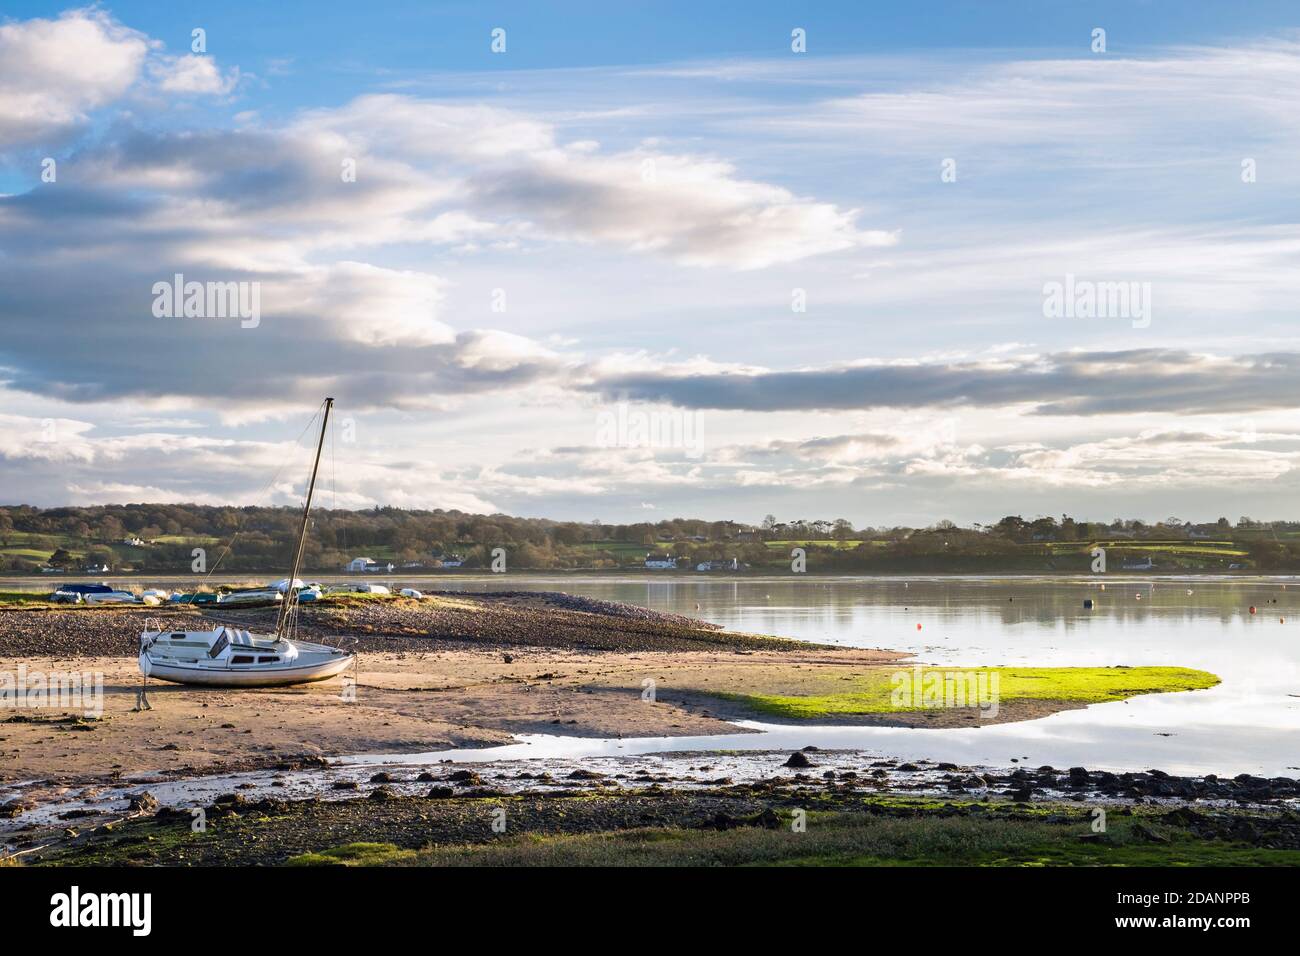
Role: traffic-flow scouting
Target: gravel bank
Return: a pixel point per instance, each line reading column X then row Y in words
column 490, row 621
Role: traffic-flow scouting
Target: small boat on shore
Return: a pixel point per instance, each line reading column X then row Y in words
column 111, row 597
column 228, row 656
column 250, row 596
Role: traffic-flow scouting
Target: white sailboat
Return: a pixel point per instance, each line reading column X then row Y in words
column 231, row 657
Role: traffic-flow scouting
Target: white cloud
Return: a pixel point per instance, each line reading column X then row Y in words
column 193, row 75
column 512, row 168
column 53, row 72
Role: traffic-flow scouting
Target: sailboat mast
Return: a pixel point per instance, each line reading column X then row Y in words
column 290, row 596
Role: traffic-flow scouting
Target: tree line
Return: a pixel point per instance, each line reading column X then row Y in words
column 161, row 537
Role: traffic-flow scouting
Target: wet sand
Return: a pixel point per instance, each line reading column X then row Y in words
column 405, row 703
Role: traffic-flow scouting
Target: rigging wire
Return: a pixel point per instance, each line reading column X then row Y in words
column 239, row 528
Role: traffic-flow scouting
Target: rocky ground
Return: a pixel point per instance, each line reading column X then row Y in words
column 493, row 621
column 447, row 813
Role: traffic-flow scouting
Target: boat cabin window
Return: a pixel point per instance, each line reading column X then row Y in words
column 241, row 659
column 268, row 660
column 218, row 646
column 178, row 637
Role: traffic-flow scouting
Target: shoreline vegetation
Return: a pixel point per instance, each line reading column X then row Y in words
column 163, row 538
column 808, row 819
column 895, row 692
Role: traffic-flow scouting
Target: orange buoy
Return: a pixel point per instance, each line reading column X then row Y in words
column 918, row 627
column 1252, row 609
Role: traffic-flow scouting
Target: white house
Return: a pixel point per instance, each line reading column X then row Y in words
column 369, row 565
column 657, row 562
column 730, row 564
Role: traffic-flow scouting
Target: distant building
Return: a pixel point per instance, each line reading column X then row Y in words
column 369, row 566
column 660, row 562
column 1146, row 564
column 451, row 561
column 731, row 564
column 134, row 542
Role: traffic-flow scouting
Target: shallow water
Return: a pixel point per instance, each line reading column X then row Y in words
column 1250, row 723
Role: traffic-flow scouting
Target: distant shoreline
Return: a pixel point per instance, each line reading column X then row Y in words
column 478, row 573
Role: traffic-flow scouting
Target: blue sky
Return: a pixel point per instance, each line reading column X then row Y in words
column 650, row 261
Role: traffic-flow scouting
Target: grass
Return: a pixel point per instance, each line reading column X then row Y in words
column 874, row 692
column 818, row 543
column 840, row 838
column 1200, row 548
column 25, row 597
column 354, row 854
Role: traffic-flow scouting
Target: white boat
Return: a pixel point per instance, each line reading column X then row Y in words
column 110, row 597
column 230, row 657
column 250, row 596
column 411, row 593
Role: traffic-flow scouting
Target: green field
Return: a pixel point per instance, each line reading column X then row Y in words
column 820, row 543
column 1225, row 549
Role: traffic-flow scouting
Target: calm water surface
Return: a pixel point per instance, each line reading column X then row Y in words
column 1250, row 723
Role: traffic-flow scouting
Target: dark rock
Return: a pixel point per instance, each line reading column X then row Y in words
column 767, row 819
column 720, row 821
column 345, row 785
column 11, row 808
column 143, row 803
column 382, row 777
column 440, row 793
column 797, row 759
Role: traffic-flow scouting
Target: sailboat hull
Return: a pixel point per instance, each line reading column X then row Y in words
column 299, row 673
